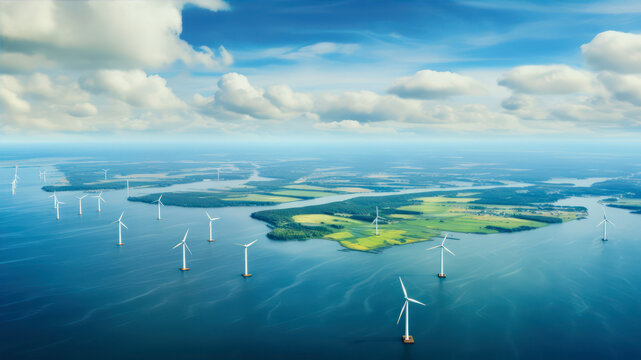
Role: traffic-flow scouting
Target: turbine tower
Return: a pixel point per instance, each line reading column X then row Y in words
column 211, row 220
column 442, row 246
column 159, row 203
column 247, row 274
column 80, row 203
column 120, row 225
column 58, row 209
column 375, row 222
column 43, row 175
column 407, row 338
column 105, row 170
column 99, row 197
column 13, row 186
column 605, row 222
column 184, row 245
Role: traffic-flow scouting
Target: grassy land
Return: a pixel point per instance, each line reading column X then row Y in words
column 306, row 194
column 261, row 198
column 633, row 204
column 410, row 218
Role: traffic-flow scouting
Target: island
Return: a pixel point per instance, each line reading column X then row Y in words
column 411, row 218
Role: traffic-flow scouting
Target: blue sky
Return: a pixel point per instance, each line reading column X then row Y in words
column 320, row 68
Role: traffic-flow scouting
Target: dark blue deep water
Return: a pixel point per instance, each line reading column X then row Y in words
column 67, row 291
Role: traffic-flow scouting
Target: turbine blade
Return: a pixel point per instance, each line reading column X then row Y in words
column 188, row 249
column 600, row 223
column 445, row 238
column 185, row 238
column 177, row 245
column 401, row 314
column 610, row 222
column 208, row 216
column 120, row 218
column 448, row 250
column 403, row 286
column 434, row 247
column 123, row 224
column 252, row 243
column 416, row 301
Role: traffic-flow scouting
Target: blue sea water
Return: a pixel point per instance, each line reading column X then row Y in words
column 67, row 290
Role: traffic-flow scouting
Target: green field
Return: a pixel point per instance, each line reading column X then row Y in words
column 303, row 193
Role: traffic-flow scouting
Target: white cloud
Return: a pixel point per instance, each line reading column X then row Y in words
column 13, row 102
column 129, row 34
column 238, row 96
column 133, row 87
column 323, row 48
column 83, row 110
column 546, row 79
column 353, row 126
column 428, row 84
column 624, row 87
column 614, row 51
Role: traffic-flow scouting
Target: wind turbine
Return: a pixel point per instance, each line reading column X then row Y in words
column 105, row 170
column 55, row 199
column 211, row 220
column 184, row 244
column 407, row 338
column 99, row 197
column 159, row 203
column 58, row 209
column 246, row 274
column 80, row 203
column 13, row 186
column 442, row 246
column 120, row 225
column 375, row 222
column 605, row 222
column 44, row 175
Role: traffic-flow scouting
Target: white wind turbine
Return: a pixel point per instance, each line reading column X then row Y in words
column 55, row 199
column 184, row 245
column 120, row 225
column 58, row 209
column 442, row 246
column 211, row 220
column 375, row 222
column 13, row 186
column 407, row 338
column 159, row 203
column 43, row 175
column 246, row 246
column 80, row 203
column 605, row 222
column 105, row 170
column 99, row 197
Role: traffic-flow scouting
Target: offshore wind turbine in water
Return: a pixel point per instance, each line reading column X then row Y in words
column 58, row 209
column 55, row 199
column 407, row 338
column 442, row 246
column 246, row 246
column 99, row 197
column 605, row 223
column 105, row 171
column 80, row 203
column 120, row 225
column 184, row 245
column 159, row 203
column 211, row 221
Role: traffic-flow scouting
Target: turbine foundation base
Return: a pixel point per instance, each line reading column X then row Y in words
column 121, row 244
column 184, row 269
column 246, row 275
column 604, row 239
column 408, row 340
column 211, row 240
column 442, row 276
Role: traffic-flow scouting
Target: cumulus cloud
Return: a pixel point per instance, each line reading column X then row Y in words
column 134, row 87
column 353, row 126
column 428, row 84
column 546, row 79
column 615, row 51
column 623, row 87
column 238, row 96
column 83, row 110
column 74, row 33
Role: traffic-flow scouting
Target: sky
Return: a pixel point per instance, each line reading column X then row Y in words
column 214, row 69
